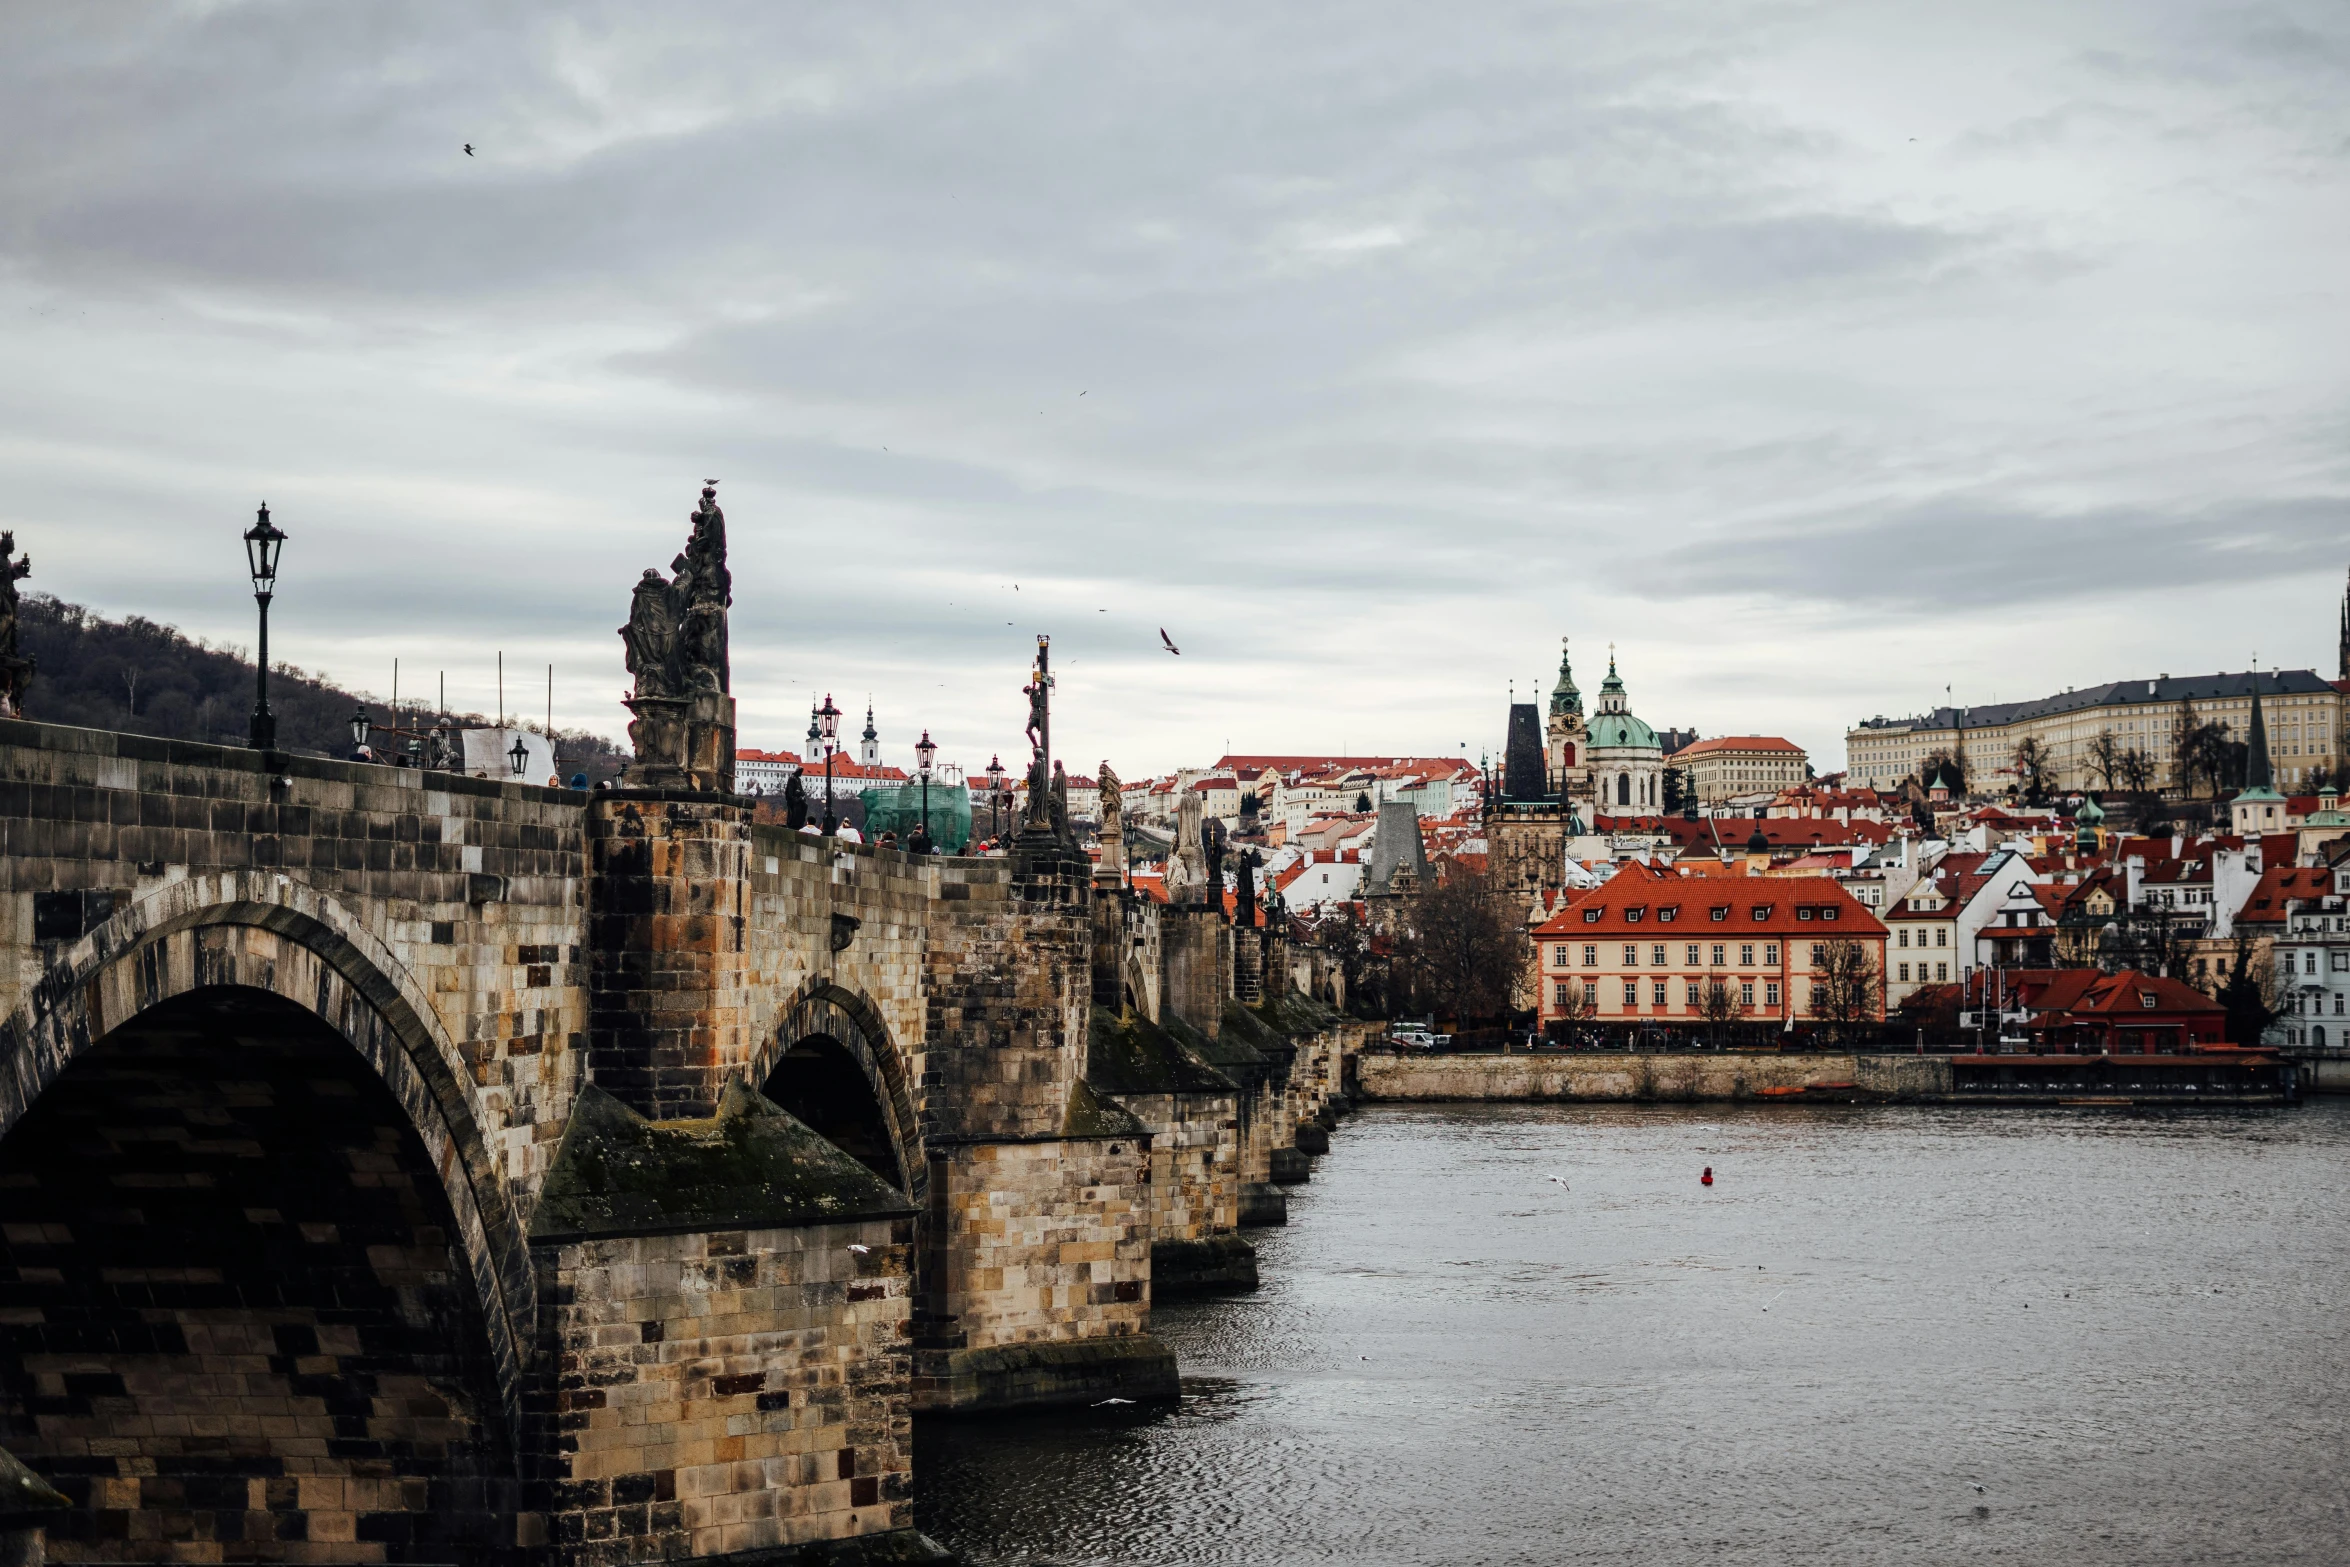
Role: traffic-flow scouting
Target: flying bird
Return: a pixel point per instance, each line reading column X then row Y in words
column 861, row 1250
column 1100, row 1402
column 1978, row 1485
column 469, row 149
column 1562, row 1180
column 1170, row 641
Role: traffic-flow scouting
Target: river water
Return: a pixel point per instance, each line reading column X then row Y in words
column 2131, row 1331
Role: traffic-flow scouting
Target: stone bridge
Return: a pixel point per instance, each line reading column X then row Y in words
column 406, row 1167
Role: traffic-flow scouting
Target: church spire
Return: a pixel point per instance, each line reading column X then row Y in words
column 2344, row 673
column 1565, row 698
column 2256, row 771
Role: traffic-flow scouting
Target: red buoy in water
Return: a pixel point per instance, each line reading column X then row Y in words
column 1707, row 1179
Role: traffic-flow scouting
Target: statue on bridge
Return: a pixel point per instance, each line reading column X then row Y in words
column 16, row 672
column 1111, row 871
column 1244, row 882
column 675, row 643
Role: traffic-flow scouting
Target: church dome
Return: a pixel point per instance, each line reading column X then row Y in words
column 1622, row 730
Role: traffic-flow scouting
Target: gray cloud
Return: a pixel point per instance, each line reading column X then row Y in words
column 1406, row 340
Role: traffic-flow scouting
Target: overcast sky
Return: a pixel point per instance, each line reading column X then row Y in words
column 1815, row 355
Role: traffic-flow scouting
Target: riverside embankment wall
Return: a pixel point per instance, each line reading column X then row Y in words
column 1689, row 1077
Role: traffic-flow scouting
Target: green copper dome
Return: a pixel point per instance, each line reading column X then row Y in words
column 1621, row 729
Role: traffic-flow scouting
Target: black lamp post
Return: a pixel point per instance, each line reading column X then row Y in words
column 924, row 754
column 995, row 795
column 518, row 757
column 828, row 718
column 263, row 540
column 361, row 727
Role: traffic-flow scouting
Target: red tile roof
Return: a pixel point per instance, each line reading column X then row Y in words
column 1737, row 743
column 1782, row 901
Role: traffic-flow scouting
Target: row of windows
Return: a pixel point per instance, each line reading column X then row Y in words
column 2341, row 962
column 1657, row 957
column 1941, row 971
column 1720, row 912
column 2305, row 1006
column 1941, row 937
column 1692, row 993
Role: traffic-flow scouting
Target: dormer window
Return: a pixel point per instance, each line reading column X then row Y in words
column 1591, row 916
column 1721, row 912
column 1762, row 911
column 1829, row 912
column 2146, row 999
column 1669, row 913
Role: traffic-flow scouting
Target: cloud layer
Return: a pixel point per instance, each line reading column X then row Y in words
column 1814, row 355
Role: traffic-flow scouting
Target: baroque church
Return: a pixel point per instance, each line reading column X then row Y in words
column 1613, row 760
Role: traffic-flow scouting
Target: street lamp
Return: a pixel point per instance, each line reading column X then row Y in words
column 518, row 757
column 995, row 794
column 828, row 721
column 924, row 754
column 263, row 540
column 361, row 727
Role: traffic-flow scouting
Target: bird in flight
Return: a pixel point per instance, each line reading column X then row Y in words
column 1562, row 1180
column 469, row 149
column 1099, row 1403
column 861, row 1250
column 1171, row 647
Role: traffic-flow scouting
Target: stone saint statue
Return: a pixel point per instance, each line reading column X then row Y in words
column 16, row 671
column 1060, row 806
column 795, row 804
column 1111, row 871
column 675, row 643
column 1187, row 869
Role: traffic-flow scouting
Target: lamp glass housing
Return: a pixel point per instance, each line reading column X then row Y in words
column 519, row 756
column 263, row 540
column 361, row 726
column 925, row 752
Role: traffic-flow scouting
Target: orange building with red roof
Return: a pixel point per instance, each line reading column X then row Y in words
column 1648, row 945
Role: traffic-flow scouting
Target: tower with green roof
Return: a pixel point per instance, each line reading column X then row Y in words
column 2259, row 808
column 1564, row 738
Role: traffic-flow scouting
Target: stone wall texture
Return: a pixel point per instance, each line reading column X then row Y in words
column 1693, row 1076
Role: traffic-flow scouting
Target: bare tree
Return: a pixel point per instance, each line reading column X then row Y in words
column 1848, row 986
column 2031, row 769
column 1718, row 1005
column 2252, row 993
column 1462, row 948
column 2135, row 769
column 2204, row 754
column 2105, row 756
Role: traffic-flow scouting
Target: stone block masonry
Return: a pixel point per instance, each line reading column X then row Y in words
column 444, row 1313
column 1710, row 1075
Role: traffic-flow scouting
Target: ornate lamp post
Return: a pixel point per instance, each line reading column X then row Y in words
column 518, row 756
column 925, row 752
column 828, row 719
column 361, row 727
column 263, row 540
column 995, row 796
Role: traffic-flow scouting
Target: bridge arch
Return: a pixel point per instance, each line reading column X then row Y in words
column 263, row 933
column 831, row 1061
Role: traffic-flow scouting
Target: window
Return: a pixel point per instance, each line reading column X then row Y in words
column 1746, row 992
column 1901, row 971
column 1771, row 994
column 1689, row 955
column 1819, row 953
column 1903, row 939
column 1770, row 952
column 1762, row 912
column 1720, row 912
column 1565, row 994
column 1631, row 955
column 1830, row 912
column 1941, row 970
column 1668, row 914
column 1746, row 954
column 1719, row 950
column 1803, row 911
column 1656, row 956
column 2339, row 961
column 1558, row 957
column 1590, row 955
column 1941, row 936
column 1819, row 999
column 1631, row 992
column 1635, row 916
column 1689, row 993
column 1656, row 992
column 1591, row 916
column 1591, row 993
